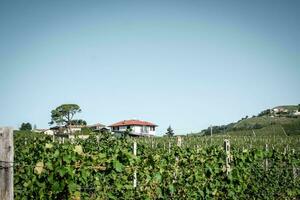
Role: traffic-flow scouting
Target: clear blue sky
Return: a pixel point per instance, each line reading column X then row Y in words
column 184, row 63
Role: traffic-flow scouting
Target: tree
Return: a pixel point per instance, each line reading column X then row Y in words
column 78, row 122
column 63, row 114
column 170, row 132
column 26, row 127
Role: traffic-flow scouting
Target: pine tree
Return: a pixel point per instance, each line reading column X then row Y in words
column 170, row 132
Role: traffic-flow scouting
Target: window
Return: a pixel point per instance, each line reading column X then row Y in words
column 115, row 128
column 152, row 128
column 144, row 129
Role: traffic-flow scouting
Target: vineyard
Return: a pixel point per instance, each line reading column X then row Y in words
column 105, row 167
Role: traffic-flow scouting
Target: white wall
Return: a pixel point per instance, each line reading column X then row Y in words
column 49, row 132
column 138, row 130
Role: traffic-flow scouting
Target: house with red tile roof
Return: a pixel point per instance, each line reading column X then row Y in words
column 134, row 127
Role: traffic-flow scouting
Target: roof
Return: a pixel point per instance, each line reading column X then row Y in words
column 132, row 122
column 40, row 129
column 70, row 126
column 94, row 125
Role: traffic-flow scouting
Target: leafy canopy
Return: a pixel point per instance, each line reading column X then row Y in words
column 170, row 131
column 63, row 114
column 26, row 127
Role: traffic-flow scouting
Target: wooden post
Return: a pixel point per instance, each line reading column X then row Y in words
column 283, row 131
column 266, row 160
column 6, row 164
column 179, row 141
column 135, row 172
column 227, row 159
column 169, row 147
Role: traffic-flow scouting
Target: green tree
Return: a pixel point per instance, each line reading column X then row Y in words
column 170, row 132
column 26, row 127
column 63, row 114
column 78, row 122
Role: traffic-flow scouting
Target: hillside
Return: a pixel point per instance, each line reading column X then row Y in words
column 264, row 121
column 285, row 117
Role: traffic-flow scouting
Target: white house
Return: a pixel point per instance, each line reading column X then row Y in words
column 97, row 127
column 48, row 132
column 134, row 127
column 67, row 129
column 297, row 113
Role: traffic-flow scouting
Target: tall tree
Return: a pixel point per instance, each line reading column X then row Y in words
column 26, row 127
column 63, row 114
column 170, row 131
column 78, row 122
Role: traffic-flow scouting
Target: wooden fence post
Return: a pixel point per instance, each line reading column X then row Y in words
column 6, row 164
column 135, row 172
column 227, row 159
column 266, row 160
column 179, row 141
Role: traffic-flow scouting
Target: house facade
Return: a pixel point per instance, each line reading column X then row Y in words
column 97, row 127
column 66, row 129
column 134, row 128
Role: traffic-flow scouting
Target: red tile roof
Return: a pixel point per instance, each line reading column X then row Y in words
column 132, row 122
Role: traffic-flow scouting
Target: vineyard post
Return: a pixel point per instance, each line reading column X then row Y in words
column 6, row 164
column 169, row 146
column 135, row 172
column 179, row 141
column 283, row 131
column 266, row 160
column 227, row 159
column 53, row 139
column 293, row 168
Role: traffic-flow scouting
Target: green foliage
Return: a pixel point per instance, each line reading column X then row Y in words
column 264, row 112
column 85, row 131
column 78, row 122
column 102, row 167
column 292, row 129
column 63, row 114
column 26, row 127
column 170, row 131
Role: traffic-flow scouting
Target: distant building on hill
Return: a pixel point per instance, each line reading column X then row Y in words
column 297, row 113
column 97, row 127
column 71, row 129
column 45, row 131
column 134, row 128
column 66, row 129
